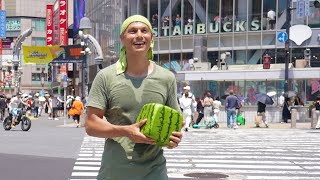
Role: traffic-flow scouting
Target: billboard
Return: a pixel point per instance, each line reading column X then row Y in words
column 3, row 24
column 53, row 54
column 78, row 13
column 63, row 26
column 49, row 24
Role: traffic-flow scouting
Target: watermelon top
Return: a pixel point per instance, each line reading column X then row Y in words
column 122, row 97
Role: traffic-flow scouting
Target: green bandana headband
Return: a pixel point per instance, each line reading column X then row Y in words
column 121, row 64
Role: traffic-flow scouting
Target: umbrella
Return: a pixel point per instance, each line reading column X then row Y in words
column 290, row 94
column 41, row 98
column 271, row 93
column 264, row 98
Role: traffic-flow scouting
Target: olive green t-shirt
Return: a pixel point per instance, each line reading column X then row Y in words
column 122, row 97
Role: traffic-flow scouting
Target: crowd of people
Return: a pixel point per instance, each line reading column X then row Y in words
column 36, row 105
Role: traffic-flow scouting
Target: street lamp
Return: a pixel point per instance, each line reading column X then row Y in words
column 16, row 55
column 86, row 40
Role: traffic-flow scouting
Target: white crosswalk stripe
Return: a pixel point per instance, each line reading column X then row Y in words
column 243, row 154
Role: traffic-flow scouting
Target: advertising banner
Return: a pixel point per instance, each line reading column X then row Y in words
column 78, row 13
column 53, row 54
column 3, row 24
column 49, row 23
column 63, row 28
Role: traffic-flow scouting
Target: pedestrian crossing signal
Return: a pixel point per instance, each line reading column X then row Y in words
column 266, row 62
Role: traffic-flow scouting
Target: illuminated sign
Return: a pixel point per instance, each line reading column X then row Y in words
column 239, row 26
column 13, row 25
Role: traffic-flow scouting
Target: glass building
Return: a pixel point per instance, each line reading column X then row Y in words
column 205, row 30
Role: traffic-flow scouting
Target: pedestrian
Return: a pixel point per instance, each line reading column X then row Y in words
column 231, row 104
column 261, row 112
column 200, row 109
column 208, row 108
column 3, row 106
column 118, row 93
column 188, row 104
column 77, row 108
column 36, row 105
column 216, row 108
column 69, row 103
column 316, row 104
column 286, row 114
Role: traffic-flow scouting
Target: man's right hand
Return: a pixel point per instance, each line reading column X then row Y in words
column 136, row 136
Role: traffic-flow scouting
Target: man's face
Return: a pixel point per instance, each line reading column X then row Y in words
column 137, row 37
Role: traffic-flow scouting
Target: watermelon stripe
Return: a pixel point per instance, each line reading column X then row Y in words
column 168, row 134
column 152, row 106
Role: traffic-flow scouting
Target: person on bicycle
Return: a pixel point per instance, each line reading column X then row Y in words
column 16, row 104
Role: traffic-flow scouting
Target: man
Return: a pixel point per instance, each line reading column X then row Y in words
column 231, row 104
column 271, row 18
column 262, row 112
column 188, row 104
column 118, row 93
column 16, row 104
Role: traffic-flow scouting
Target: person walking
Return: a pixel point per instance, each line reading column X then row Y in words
column 208, row 111
column 188, row 104
column 36, row 105
column 77, row 108
column 231, row 104
column 216, row 108
column 262, row 112
column 129, row 154
column 286, row 114
column 316, row 104
column 3, row 106
column 200, row 109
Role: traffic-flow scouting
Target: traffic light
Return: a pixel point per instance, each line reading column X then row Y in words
column 266, row 62
column 316, row 3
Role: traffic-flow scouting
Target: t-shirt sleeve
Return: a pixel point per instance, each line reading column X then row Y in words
column 172, row 96
column 98, row 92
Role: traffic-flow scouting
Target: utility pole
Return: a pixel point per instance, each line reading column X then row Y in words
column 287, row 49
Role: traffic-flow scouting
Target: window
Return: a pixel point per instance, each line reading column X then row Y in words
column 37, row 76
column 37, row 41
column 38, row 24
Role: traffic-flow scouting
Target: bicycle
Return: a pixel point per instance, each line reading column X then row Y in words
column 21, row 117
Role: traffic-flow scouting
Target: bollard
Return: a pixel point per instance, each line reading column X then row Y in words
column 294, row 113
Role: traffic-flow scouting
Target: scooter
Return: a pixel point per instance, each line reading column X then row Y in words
column 210, row 125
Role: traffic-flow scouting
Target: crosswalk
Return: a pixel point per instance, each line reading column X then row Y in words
column 273, row 154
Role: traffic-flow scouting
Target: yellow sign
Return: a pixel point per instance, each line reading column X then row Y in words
column 41, row 54
column 55, row 54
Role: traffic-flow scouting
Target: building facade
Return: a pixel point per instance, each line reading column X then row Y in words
column 22, row 15
column 241, row 32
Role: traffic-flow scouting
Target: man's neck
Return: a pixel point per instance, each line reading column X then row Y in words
column 138, row 66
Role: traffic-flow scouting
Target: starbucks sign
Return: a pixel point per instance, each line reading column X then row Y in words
column 213, row 28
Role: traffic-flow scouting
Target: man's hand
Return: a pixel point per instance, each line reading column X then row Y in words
column 136, row 136
column 175, row 139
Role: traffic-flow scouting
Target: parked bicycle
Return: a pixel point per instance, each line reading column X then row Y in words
column 21, row 117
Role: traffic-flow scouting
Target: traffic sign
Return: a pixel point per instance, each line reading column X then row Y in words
column 303, row 8
column 282, row 37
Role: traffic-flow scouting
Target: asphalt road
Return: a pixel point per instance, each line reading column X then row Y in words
column 47, row 151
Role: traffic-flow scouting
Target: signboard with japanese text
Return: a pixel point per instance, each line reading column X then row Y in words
column 3, row 23
column 13, row 24
column 49, row 24
column 63, row 27
column 53, row 54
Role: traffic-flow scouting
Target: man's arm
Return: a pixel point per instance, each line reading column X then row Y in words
column 96, row 126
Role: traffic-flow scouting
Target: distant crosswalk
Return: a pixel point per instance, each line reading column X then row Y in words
column 241, row 154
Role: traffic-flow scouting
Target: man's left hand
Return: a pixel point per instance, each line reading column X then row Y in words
column 175, row 139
